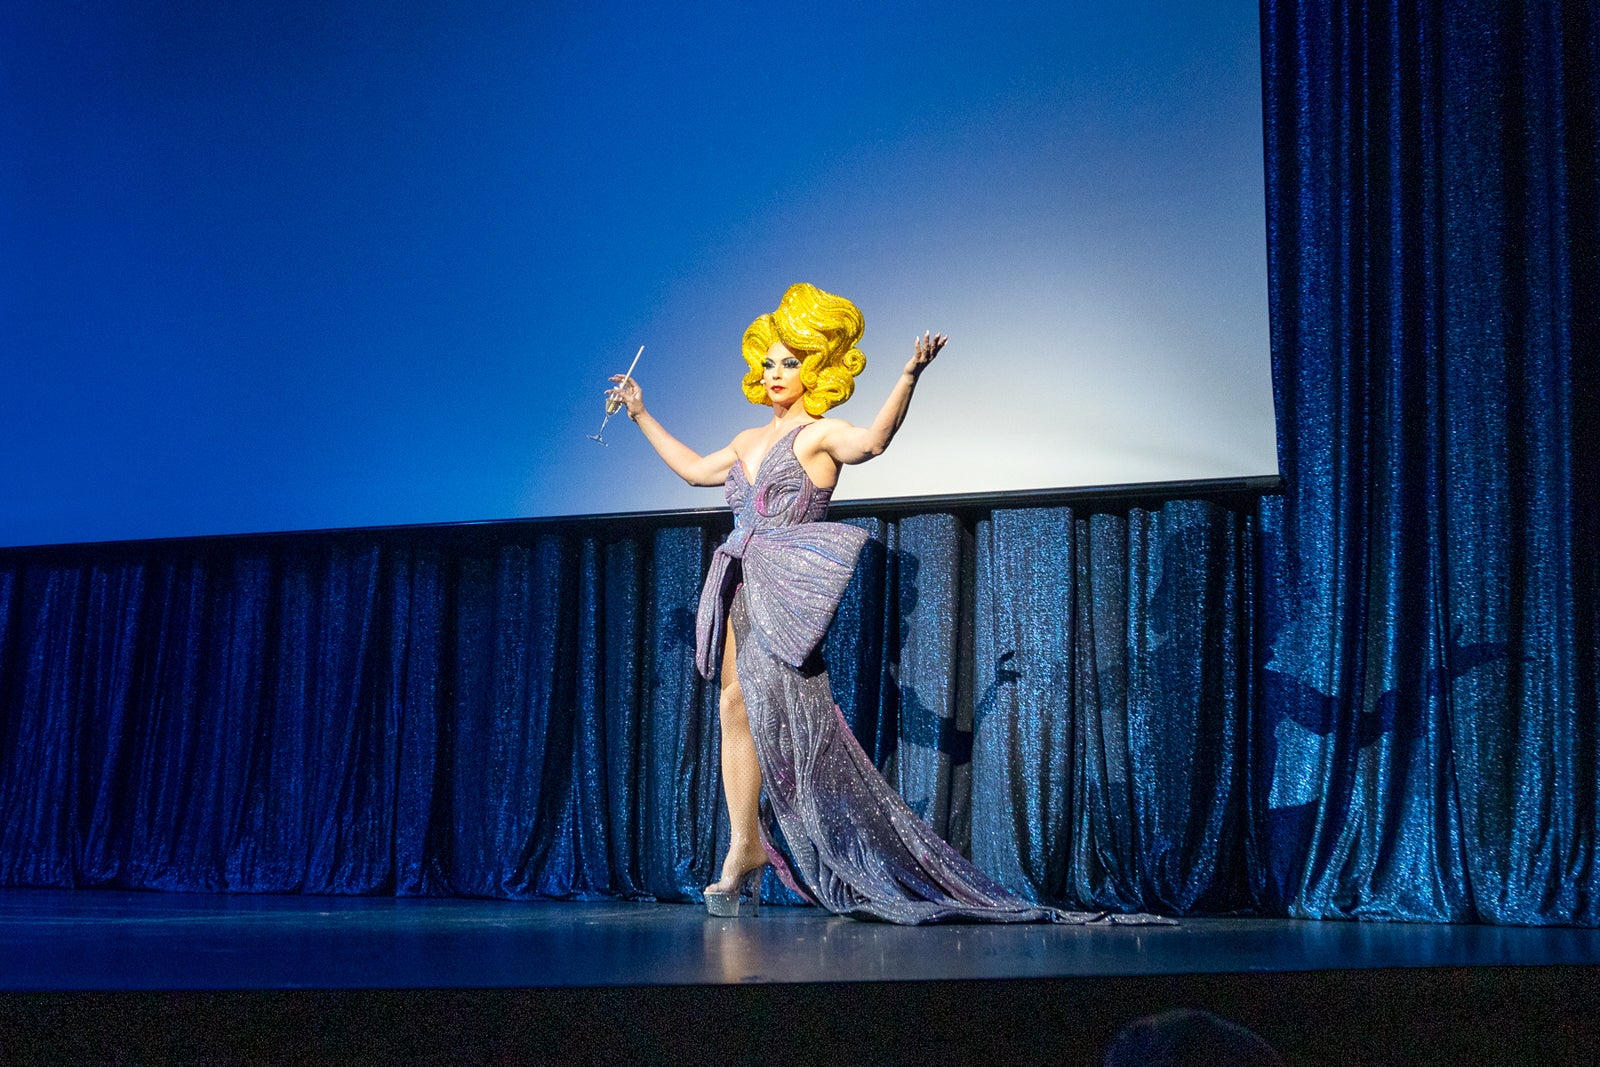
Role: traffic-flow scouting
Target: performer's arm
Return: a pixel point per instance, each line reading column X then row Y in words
column 686, row 463
column 857, row 444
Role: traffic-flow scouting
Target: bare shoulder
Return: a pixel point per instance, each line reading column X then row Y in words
column 824, row 428
column 814, row 435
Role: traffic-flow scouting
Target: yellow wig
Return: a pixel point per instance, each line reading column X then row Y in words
column 820, row 328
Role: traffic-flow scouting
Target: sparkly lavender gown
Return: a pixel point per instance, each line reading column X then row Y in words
column 853, row 845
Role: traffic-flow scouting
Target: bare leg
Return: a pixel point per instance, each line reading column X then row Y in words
column 741, row 777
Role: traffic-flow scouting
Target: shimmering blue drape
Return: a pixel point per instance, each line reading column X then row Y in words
column 1428, row 693
column 515, row 712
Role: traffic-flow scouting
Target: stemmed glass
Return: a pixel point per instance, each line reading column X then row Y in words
column 613, row 403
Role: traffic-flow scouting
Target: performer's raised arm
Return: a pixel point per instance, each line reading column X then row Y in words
column 857, row 444
column 686, row 463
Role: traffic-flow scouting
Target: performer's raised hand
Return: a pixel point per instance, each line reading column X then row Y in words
column 927, row 347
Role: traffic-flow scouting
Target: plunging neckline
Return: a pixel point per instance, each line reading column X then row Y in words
column 744, row 470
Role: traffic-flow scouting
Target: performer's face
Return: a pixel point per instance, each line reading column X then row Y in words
column 780, row 373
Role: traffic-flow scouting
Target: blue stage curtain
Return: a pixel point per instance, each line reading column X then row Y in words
column 1428, row 685
column 515, row 712
column 1111, row 671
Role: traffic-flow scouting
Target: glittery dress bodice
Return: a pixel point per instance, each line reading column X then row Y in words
column 783, row 494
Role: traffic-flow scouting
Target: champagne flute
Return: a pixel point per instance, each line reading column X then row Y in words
column 614, row 403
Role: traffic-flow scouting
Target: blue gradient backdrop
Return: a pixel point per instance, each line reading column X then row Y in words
column 308, row 265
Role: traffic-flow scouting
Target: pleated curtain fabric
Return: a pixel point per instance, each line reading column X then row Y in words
column 1428, row 607
column 518, row 715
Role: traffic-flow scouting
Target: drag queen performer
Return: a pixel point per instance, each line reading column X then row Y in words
column 852, row 844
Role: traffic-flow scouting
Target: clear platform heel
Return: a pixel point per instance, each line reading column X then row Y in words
column 724, row 903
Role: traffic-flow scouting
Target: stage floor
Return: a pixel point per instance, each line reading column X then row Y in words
column 79, row 940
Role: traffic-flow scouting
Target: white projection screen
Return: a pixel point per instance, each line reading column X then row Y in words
column 321, row 265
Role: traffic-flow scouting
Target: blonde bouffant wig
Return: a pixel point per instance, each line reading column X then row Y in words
column 820, row 328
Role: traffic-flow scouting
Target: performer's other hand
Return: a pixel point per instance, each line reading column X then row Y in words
column 927, row 347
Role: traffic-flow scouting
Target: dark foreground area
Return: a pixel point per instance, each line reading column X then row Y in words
column 95, row 976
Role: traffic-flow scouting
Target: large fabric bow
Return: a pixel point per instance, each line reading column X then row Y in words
column 794, row 577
